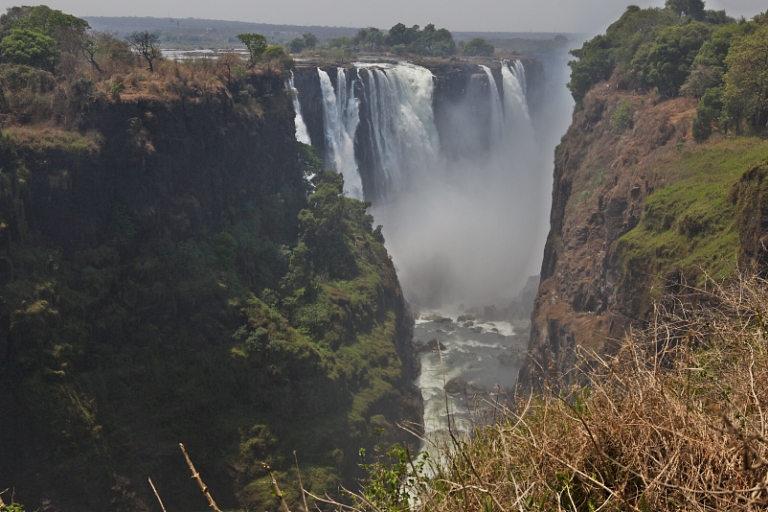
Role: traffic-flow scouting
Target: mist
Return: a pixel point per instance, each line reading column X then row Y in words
column 473, row 229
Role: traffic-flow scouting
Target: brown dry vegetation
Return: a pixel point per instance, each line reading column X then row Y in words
column 676, row 420
column 34, row 97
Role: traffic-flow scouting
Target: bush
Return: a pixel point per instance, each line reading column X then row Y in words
column 622, row 117
column 478, row 46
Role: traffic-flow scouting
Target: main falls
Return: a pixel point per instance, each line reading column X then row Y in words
column 450, row 160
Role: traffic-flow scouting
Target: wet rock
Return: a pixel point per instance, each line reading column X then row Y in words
column 469, row 323
column 431, row 346
column 514, row 358
column 437, row 319
column 459, row 385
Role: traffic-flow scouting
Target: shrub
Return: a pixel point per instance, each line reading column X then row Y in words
column 622, row 116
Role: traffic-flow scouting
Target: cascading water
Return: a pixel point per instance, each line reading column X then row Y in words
column 301, row 129
column 497, row 119
column 341, row 117
column 404, row 138
column 517, row 120
column 458, row 227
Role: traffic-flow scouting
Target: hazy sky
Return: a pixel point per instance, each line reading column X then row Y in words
column 585, row 16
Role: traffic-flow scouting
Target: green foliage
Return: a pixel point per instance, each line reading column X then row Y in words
column 746, row 96
column 478, row 46
column 691, row 226
column 13, row 507
column 692, row 8
column 370, row 38
column 616, row 50
column 707, row 114
column 69, row 31
column 429, row 41
column 391, row 477
column 276, row 55
column 623, row 115
column 23, row 46
column 256, row 45
column 666, row 63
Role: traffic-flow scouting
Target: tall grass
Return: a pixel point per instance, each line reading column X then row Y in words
column 676, row 420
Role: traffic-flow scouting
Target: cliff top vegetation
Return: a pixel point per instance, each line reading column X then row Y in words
column 683, row 49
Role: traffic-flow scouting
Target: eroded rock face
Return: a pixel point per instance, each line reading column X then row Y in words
column 603, row 174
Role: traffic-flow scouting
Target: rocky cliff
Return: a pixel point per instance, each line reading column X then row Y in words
column 640, row 212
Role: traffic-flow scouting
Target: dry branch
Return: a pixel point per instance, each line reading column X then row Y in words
column 196, row 476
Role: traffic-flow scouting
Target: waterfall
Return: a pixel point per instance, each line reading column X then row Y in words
column 301, row 129
column 497, row 120
column 517, row 120
column 340, row 119
column 404, row 141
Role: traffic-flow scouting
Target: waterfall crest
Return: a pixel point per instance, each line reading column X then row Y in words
column 497, row 116
column 302, row 135
column 403, row 137
column 517, row 119
column 341, row 117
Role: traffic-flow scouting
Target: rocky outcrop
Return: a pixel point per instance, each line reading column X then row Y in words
column 603, row 174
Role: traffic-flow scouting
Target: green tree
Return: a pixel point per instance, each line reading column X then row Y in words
column 68, row 31
column 255, row 43
column 746, row 82
column 708, row 113
column 296, row 45
column 24, row 46
column 276, row 54
column 478, row 46
column 693, row 8
column 617, row 49
column 671, row 56
column 310, row 40
column 147, row 45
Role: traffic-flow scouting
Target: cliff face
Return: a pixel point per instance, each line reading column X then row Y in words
column 604, row 171
column 154, row 289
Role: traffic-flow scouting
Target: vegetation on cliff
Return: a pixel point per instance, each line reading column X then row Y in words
column 167, row 274
column 687, row 50
column 674, row 421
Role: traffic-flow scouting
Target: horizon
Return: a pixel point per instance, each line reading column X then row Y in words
column 550, row 16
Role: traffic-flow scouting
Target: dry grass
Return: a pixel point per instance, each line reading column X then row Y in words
column 674, row 421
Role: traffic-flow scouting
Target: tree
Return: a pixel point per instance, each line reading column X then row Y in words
column 746, row 82
column 145, row 44
column 228, row 60
column 255, row 43
column 276, row 54
column 28, row 47
column 671, row 56
column 310, row 40
column 693, row 8
column 296, row 45
column 478, row 46
column 68, row 31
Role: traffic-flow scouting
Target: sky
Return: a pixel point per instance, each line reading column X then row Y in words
column 584, row 16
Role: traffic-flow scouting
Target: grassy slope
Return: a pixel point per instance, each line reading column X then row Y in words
column 692, row 226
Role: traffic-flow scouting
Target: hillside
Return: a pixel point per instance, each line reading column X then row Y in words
column 168, row 274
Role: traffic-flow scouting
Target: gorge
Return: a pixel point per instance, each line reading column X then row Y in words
column 457, row 176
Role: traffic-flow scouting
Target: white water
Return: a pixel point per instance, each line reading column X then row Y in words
column 497, row 116
column 403, row 134
column 341, row 117
column 517, row 120
column 459, row 230
column 302, row 135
